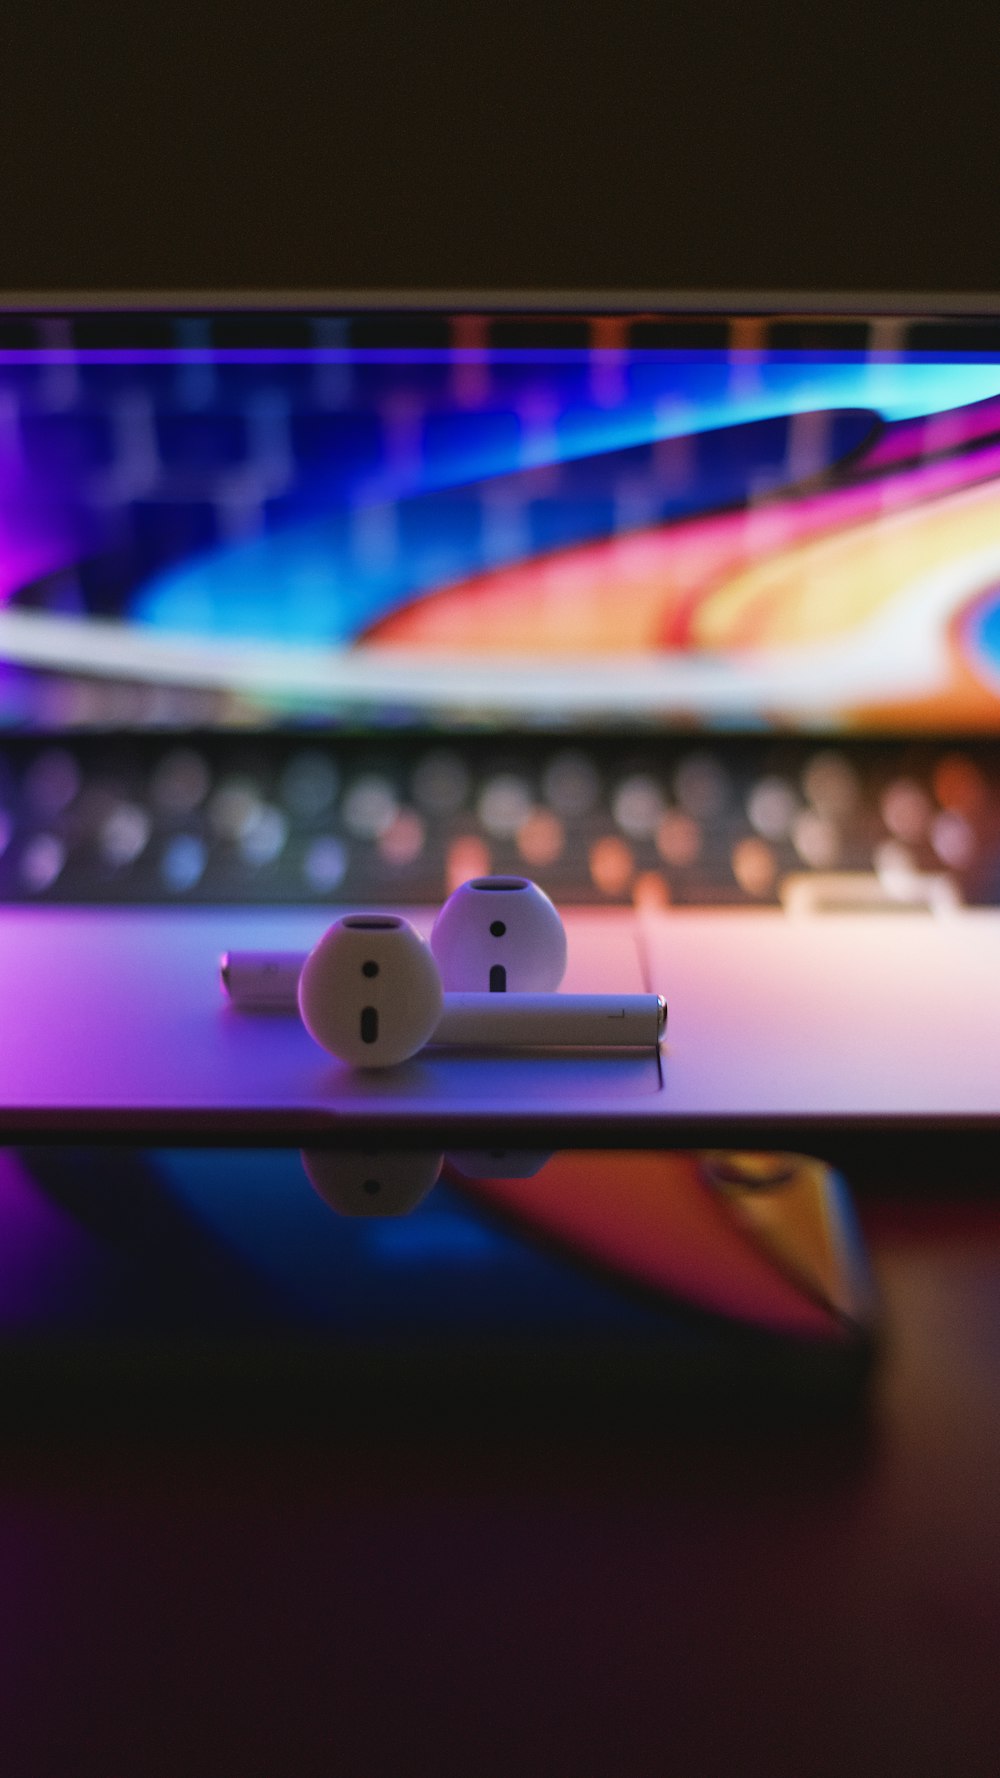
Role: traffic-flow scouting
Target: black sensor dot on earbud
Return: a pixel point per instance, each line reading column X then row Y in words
column 497, row 928
column 369, row 968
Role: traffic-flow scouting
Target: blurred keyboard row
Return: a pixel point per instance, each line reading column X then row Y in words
column 284, row 819
column 469, row 327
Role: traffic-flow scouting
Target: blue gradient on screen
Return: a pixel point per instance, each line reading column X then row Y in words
column 305, row 579
column 309, row 581
column 986, row 634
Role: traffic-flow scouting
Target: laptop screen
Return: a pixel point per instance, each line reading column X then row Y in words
column 460, row 522
column 346, row 604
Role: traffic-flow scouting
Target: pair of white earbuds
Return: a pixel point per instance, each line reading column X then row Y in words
column 374, row 993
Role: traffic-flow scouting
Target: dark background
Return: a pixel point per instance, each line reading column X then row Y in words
column 385, row 144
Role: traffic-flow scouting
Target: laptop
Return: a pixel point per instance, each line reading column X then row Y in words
column 687, row 608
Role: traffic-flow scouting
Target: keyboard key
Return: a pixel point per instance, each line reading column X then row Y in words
column 167, row 530
column 324, row 864
column 180, row 781
column 489, row 438
column 369, row 807
column 905, row 808
column 541, row 839
column 440, row 533
column 637, row 805
column 52, row 781
column 754, row 866
column 349, row 446
column 123, row 834
column 402, row 842
column 701, row 786
column 953, row 839
column 467, row 856
column 198, row 444
column 612, row 866
column 816, row 840
column 893, row 862
column 183, row 862
column 308, row 784
column 678, row 839
column 651, row 890
column 571, row 784
column 67, row 445
column 831, row 784
column 959, row 784
column 504, row 804
column 771, row 807
column 234, row 808
column 41, row 861
column 263, row 838
column 441, row 782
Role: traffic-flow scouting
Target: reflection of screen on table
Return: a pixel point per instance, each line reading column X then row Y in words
column 475, row 1248
column 464, row 534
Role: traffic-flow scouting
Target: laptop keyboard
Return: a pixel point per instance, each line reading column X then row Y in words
column 289, row 819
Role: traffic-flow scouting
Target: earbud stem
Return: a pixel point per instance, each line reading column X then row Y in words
column 262, row 981
column 571, row 1021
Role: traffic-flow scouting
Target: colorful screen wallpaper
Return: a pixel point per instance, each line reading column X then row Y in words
column 475, row 535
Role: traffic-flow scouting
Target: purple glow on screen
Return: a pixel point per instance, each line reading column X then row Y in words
column 24, row 559
column 42, row 527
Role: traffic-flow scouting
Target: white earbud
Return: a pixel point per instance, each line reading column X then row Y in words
column 376, row 1030
column 370, row 991
column 500, row 935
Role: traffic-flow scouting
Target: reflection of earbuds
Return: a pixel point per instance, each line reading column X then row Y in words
column 364, row 1182
column 357, row 1182
column 500, row 934
column 498, row 1163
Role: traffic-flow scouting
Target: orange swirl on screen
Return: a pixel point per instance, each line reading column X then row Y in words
column 833, row 585
column 645, row 591
column 652, row 1219
column 965, row 703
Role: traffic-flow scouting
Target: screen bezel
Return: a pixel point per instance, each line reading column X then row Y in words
column 779, row 303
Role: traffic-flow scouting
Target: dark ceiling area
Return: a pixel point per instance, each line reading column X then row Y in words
column 383, row 145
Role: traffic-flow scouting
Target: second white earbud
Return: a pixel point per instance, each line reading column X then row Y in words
column 371, row 991
column 500, row 935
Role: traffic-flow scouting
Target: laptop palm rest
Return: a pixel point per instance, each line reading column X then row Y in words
column 780, row 1030
column 839, row 1019
column 116, row 1021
